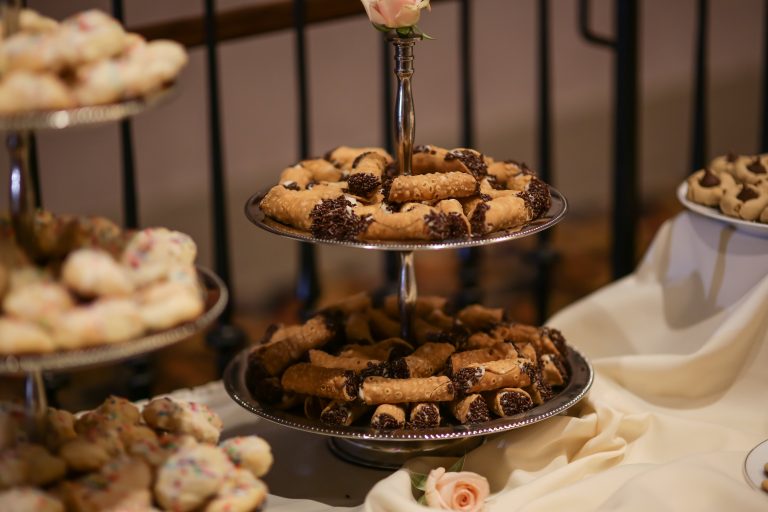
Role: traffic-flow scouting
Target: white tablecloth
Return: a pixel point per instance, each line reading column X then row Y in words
column 680, row 349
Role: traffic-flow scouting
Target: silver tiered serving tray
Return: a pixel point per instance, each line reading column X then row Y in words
column 215, row 299
column 550, row 218
column 391, row 448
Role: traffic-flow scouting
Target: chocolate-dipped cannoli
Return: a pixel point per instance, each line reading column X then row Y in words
column 481, row 340
column 295, row 177
column 553, row 371
column 287, row 344
column 527, row 351
column 333, row 383
column 431, row 187
column 385, row 350
column 494, row 352
column 424, row 306
column 439, row 319
column 707, row 187
column 313, row 406
column 414, row 221
column 536, row 196
column 335, row 219
column 380, row 390
column 504, row 373
column 365, row 176
column 326, row 360
column 470, row 409
column 478, row 317
column 321, row 169
column 424, row 415
column 508, row 401
column 428, row 359
column 357, row 303
column 501, row 173
column 382, row 325
column 357, row 328
column 503, row 212
column 538, row 390
column 458, row 222
column 423, row 331
column 293, row 207
column 342, row 414
column 428, row 159
column 544, row 340
column 344, row 156
column 388, row 417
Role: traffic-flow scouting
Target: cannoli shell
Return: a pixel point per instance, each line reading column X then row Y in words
column 383, row 350
column 478, row 317
column 333, row 383
column 432, row 187
column 513, row 373
column 470, row 409
column 342, row 414
column 508, row 401
column 326, row 360
column 293, row 207
column 482, row 355
column 428, row 359
column 424, row 415
column 288, row 344
column 388, row 416
column 380, row 390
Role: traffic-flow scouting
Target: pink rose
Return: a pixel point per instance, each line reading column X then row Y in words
column 394, row 13
column 464, row 490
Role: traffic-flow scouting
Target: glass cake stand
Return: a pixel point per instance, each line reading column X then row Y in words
column 391, row 448
column 32, row 366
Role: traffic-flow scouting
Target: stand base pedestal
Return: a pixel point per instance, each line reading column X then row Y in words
column 393, row 454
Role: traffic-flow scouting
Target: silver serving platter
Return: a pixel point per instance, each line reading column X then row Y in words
column 549, row 219
column 215, row 300
column 80, row 116
column 581, row 380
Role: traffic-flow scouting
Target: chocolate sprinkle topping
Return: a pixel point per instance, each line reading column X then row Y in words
column 478, row 411
column 485, row 197
column 427, row 416
column 360, row 157
column 709, row 180
column 494, row 183
column 756, row 167
column 333, row 219
column 363, row 184
column 292, row 186
column 385, row 421
column 747, row 193
column 423, row 148
column 335, row 416
column 353, row 383
column 465, row 378
column 513, row 402
column 477, row 222
column 730, row 157
column 443, row 226
column 472, row 161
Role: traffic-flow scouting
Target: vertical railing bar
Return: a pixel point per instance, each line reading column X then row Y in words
column 130, row 197
column 34, row 171
column 469, row 259
column 764, row 127
column 625, row 140
column 218, row 192
column 699, row 145
column 391, row 258
column 545, row 256
column 308, row 285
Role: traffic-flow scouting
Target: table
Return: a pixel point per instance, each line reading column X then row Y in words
column 680, row 349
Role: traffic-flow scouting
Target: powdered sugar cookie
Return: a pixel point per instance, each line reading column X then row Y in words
column 168, row 303
column 249, row 452
column 240, row 492
column 152, row 253
column 104, row 321
column 90, row 36
column 38, row 302
column 29, row 499
column 190, row 418
column 22, row 337
column 24, row 91
column 190, row 477
column 94, row 273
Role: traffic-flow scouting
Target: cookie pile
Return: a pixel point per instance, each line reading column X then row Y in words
column 93, row 284
column 356, row 194
column 87, row 59
column 347, row 365
column 736, row 185
column 117, row 457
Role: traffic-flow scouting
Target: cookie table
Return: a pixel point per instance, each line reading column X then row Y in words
column 680, row 349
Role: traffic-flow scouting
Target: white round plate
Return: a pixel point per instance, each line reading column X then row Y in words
column 747, row 226
column 754, row 465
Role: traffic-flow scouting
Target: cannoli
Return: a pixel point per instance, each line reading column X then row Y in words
column 287, row 344
column 470, row 409
column 508, row 401
column 500, row 174
column 365, row 175
column 295, row 177
column 293, row 207
column 494, row 352
column 544, row 339
column 439, row 319
column 527, row 351
column 308, row 172
column 344, row 156
column 322, row 169
column 707, row 187
column 424, row 305
column 751, row 171
column 423, row 331
column 357, row 303
column 333, row 383
column 380, row 390
column 481, row 340
column 341, row 413
column 538, row 390
column 428, row 159
column 478, row 317
column 553, row 372
column 458, row 223
column 326, row 360
column 313, row 406
column 431, row 187
column 382, row 325
column 414, row 221
column 428, row 359
column 497, row 214
column 493, row 375
column 424, row 415
column 385, row 350
column 388, row 417
column 337, row 219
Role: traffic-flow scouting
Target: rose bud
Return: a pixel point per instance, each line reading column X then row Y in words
column 464, row 490
column 394, row 13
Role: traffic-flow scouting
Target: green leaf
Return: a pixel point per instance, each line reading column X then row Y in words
column 418, row 481
column 457, row 466
column 422, row 500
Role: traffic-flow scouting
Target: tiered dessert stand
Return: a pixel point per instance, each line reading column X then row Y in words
column 19, row 129
column 390, row 449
